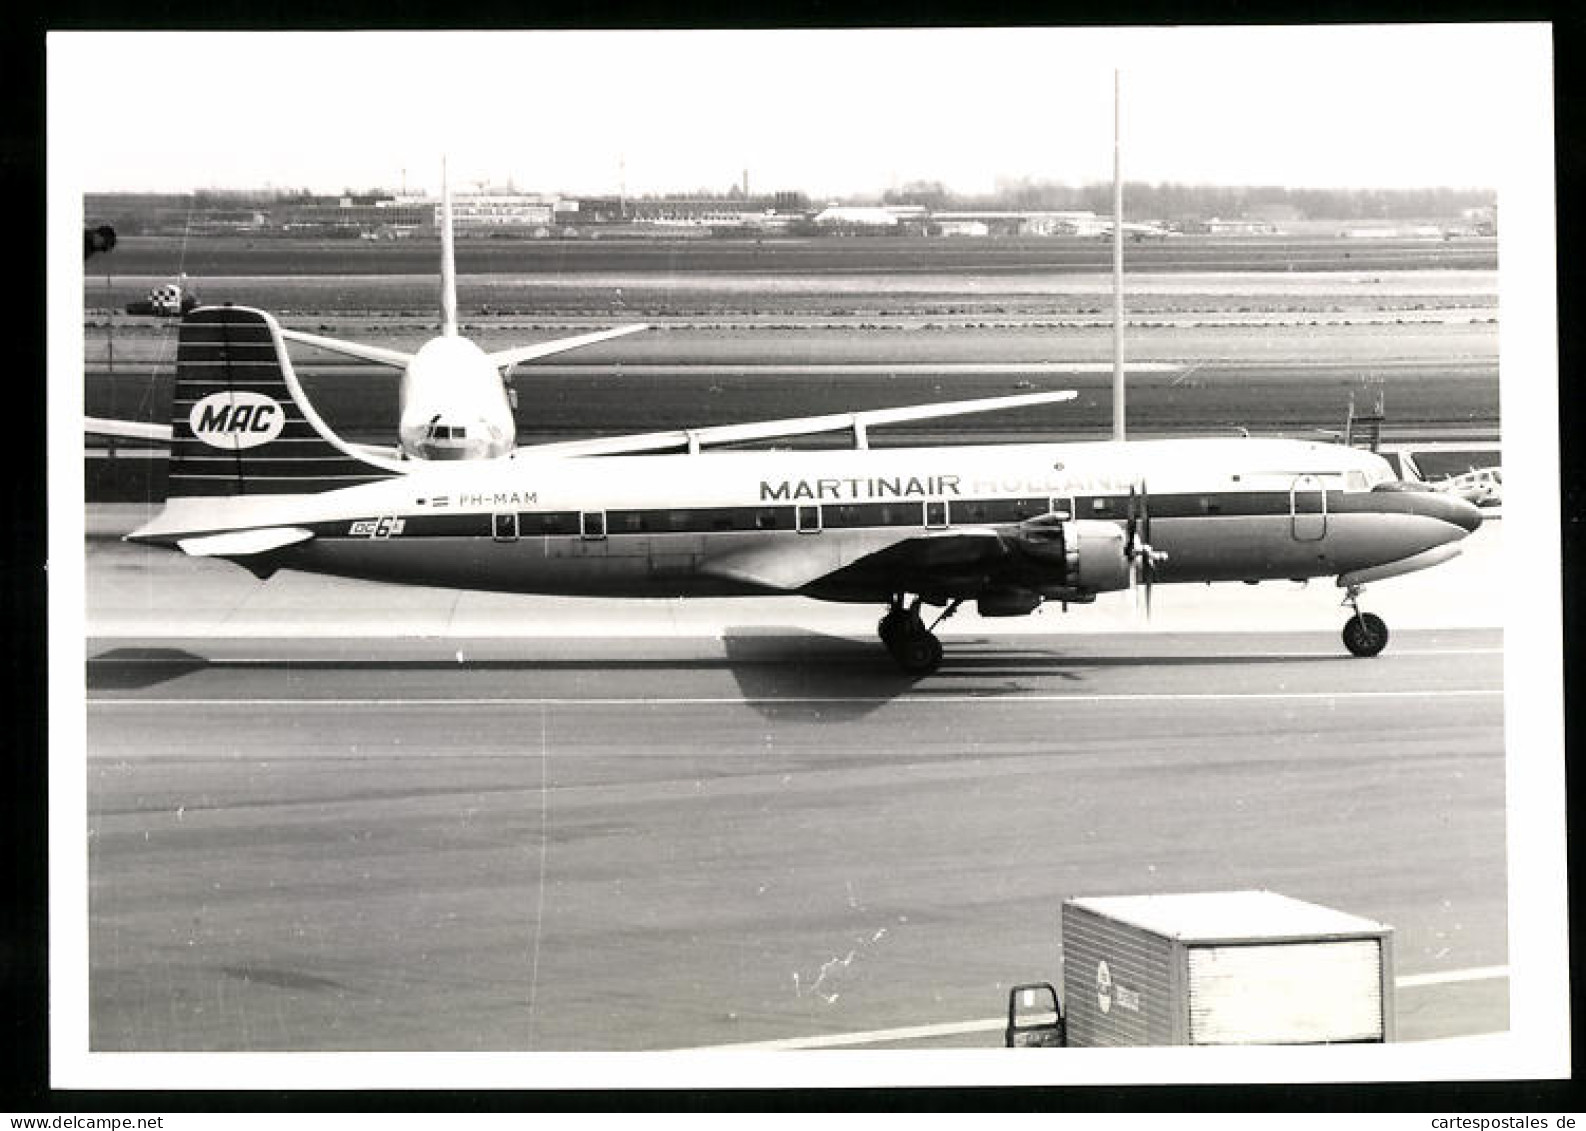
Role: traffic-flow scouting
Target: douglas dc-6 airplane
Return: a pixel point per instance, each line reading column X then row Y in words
column 258, row 478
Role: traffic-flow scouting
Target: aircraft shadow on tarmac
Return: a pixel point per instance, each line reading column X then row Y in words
column 781, row 673
column 811, row 677
column 136, row 669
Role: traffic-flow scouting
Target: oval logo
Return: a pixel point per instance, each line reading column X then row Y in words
column 233, row 420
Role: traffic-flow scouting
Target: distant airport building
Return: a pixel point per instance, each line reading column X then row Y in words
column 487, row 214
column 1007, row 223
column 1219, row 227
column 685, row 212
column 351, row 215
column 1067, row 223
column 219, row 221
column 874, row 217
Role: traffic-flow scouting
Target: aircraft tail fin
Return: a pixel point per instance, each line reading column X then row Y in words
column 240, row 423
column 448, row 263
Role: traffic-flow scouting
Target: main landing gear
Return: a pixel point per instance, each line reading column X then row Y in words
column 914, row 646
column 1365, row 634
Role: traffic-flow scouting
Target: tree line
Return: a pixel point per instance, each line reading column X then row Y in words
column 1170, row 200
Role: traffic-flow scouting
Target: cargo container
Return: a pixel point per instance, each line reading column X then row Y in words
column 1214, row 968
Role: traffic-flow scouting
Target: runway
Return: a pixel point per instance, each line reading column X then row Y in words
column 717, row 827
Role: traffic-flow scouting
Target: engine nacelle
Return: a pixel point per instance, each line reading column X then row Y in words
column 1080, row 555
column 1007, row 602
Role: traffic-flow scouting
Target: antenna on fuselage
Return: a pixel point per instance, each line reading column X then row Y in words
column 448, row 261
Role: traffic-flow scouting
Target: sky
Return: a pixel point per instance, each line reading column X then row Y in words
column 832, row 113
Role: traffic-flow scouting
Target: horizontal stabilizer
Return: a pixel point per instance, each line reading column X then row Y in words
column 127, row 429
column 241, row 543
column 692, row 439
column 503, row 359
column 395, row 358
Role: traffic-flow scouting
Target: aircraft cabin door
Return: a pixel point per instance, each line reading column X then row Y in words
column 1308, row 509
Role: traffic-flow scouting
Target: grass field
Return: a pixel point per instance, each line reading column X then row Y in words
column 976, row 280
column 238, row 255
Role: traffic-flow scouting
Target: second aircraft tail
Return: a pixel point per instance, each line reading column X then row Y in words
column 240, row 424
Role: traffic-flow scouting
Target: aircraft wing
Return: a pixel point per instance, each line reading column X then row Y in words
column 870, row 559
column 395, row 358
column 504, row 359
column 691, row 439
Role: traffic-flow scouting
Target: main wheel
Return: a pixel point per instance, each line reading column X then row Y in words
column 1365, row 634
column 918, row 653
column 893, row 630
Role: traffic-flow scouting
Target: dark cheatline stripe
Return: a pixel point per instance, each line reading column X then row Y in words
column 891, row 515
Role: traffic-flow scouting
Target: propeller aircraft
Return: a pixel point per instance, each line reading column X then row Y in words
column 258, row 478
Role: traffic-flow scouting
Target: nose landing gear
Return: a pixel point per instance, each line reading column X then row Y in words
column 915, row 647
column 1365, row 634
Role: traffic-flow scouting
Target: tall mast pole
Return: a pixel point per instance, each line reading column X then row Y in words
column 448, row 260
column 1117, row 263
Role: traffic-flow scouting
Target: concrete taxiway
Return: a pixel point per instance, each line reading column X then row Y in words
column 595, row 845
column 329, row 815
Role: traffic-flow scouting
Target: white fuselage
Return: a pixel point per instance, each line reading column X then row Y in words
column 454, row 404
column 723, row 523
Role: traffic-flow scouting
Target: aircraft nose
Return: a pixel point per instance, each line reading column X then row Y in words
column 1466, row 514
column 1451, row 509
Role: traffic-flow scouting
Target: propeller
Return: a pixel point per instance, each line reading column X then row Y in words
column 1137, row 544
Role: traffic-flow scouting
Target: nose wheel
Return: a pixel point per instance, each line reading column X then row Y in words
column 912, row 646
column 1365, row 634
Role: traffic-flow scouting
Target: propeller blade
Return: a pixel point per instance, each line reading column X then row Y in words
column 1148, row 555
column 1145, row 513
